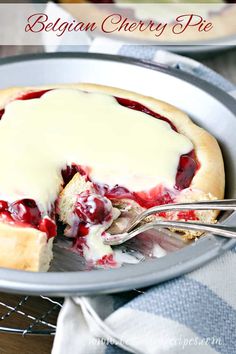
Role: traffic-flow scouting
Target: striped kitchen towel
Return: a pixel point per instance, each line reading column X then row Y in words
column 195, row 313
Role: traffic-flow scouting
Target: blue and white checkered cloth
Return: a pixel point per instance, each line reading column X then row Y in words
column 193, row 314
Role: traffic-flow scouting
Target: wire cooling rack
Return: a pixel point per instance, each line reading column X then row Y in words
column 29, row 315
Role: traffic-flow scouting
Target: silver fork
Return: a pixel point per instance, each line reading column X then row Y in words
column 132, row 231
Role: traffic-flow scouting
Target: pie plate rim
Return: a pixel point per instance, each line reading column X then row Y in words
column 129, row 277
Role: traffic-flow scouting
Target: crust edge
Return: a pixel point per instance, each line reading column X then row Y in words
column 24, row 248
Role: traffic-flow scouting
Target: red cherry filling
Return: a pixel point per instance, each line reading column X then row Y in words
column 79, row 244
column 141, row 108
column 26, row 211
column 27, row 96
column 187, row 168
column 92, row 208
column 5, row 216
column 153, row 197
column 187, row 215
column 32, row 95
column 3, row 206
column 1, row 113
column 107, row 260
column 82, row 230
column 69, row 172
column 49, row 226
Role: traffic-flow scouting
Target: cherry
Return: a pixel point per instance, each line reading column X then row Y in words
column 82, row 230
column 32, row 95
column 25, row 210
column 156, row 196
column 69, row 172
column 107, row 260
column 92, row 208
column 141, row 108
column 186, row 171
column 79, row 244
column 5, row 216
column 47, row 225
column 3, row 206
column 1, row 113
column 118, row 192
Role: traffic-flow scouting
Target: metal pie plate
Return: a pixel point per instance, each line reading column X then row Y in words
column 207, row 105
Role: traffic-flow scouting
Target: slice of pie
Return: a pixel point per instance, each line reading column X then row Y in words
column 94, row 156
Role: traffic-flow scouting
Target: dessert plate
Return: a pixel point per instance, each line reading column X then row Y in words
column 210, row 107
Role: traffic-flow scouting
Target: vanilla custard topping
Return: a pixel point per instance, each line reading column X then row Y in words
column 39, row 137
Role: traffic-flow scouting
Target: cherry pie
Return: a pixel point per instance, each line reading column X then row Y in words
column 94, row 156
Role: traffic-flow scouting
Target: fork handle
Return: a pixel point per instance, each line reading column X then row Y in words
column 215, row 229
column 225, row 204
